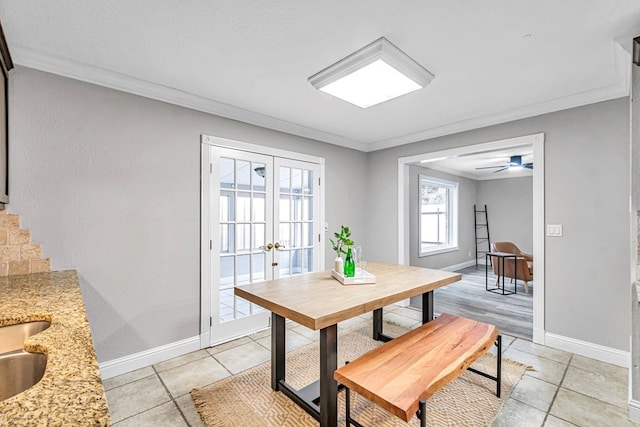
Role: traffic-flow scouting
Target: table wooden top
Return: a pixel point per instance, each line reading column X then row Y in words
column 317, row 300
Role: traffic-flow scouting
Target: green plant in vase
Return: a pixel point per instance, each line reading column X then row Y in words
column 342, row 240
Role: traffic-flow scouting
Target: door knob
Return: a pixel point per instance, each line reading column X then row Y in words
column 278, row 246
column 268, row 247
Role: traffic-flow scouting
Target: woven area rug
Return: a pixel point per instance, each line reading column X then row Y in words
column 246, row 399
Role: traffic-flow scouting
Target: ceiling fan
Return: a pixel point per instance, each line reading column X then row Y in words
column 514, row 162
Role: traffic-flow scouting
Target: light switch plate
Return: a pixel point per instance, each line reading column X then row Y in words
column 554, row 230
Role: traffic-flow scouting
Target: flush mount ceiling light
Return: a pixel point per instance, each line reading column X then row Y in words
column 376, row 73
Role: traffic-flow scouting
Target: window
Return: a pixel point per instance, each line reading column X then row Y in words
column 438, row 216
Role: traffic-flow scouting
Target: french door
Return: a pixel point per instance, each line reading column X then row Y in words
column 264, row 223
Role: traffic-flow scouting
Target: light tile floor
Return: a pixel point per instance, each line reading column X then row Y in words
column 564, row 389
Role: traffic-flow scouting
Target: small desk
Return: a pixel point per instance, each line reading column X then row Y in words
column 501, row 257
column 319, row 302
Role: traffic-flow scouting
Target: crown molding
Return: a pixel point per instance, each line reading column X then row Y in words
column 618, row 89
column 65, row 67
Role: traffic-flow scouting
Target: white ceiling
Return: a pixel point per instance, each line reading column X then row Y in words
column 466, row 165
column 493, row 61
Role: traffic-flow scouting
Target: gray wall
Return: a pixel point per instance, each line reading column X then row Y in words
column 109, row 183
column 467, row 191
column 510, row 209
column 586, row 190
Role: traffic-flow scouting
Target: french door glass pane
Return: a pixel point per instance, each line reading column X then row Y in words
column 242, row 307
column 296, row 202
column 227, row 173
column 297, row 235
column 307, row 209
column 243, row 209
column 285, row 238
column 259, row 176
column 244, row 175
column 259, row 207
column 227, row 272
column 244, row 237
column 285, row 180
column 227, row 206
column 259, row 233
column 227, row 305
column 308, row 234
column 227, row 238
column 284, row 264
column 307, row 181
column 296, row 261
column 259, row 266
column 244, row 262
column 296, row 181
column 285, row 208
column 308, row 261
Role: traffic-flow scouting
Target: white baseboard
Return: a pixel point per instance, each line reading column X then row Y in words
column 460, row 266
column 587, row 349
column 149, row 357
column 403, row 303
column 634, row 411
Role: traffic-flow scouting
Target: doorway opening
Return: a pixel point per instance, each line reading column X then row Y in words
column 538, row 229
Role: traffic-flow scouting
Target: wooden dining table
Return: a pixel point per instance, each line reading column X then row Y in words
column 319, row 302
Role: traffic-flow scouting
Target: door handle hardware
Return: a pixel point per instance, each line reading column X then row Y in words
column 267, row 247
column 274, row 264
column 278, row 246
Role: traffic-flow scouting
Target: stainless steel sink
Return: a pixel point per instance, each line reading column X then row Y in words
column 19, row 371
column 12, row 337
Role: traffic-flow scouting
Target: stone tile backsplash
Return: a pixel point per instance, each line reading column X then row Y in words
column 17, row 254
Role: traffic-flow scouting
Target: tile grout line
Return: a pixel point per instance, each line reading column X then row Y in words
column 564, row 374
column 184, row 418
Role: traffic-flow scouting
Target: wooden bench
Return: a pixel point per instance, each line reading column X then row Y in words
column 401, row 374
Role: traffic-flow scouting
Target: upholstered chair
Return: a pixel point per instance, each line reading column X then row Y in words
column 523, row 266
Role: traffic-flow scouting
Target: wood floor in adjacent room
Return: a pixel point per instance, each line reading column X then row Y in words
column 512, row 314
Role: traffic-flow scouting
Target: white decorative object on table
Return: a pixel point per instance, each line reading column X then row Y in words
column 362, row 277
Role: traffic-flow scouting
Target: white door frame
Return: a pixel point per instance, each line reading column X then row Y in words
column 205, row 232
column 537, row 141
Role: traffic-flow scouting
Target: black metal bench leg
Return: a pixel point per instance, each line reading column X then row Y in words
column 499, row 366
column 423, row 413
column 348, row 421
column 347, row 404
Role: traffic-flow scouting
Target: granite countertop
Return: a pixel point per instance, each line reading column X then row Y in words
column 70, row 393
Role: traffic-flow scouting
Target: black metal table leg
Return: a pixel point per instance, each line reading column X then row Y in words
column 427, row 307
column 378, row 335
column 515, row 275
column 377, row 324
column 328, row 385
column 278, row 331
column 503, row 274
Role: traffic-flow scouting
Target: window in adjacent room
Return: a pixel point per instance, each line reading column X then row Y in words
column 438, row 216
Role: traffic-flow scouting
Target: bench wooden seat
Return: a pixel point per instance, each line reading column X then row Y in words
column 411, row 368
